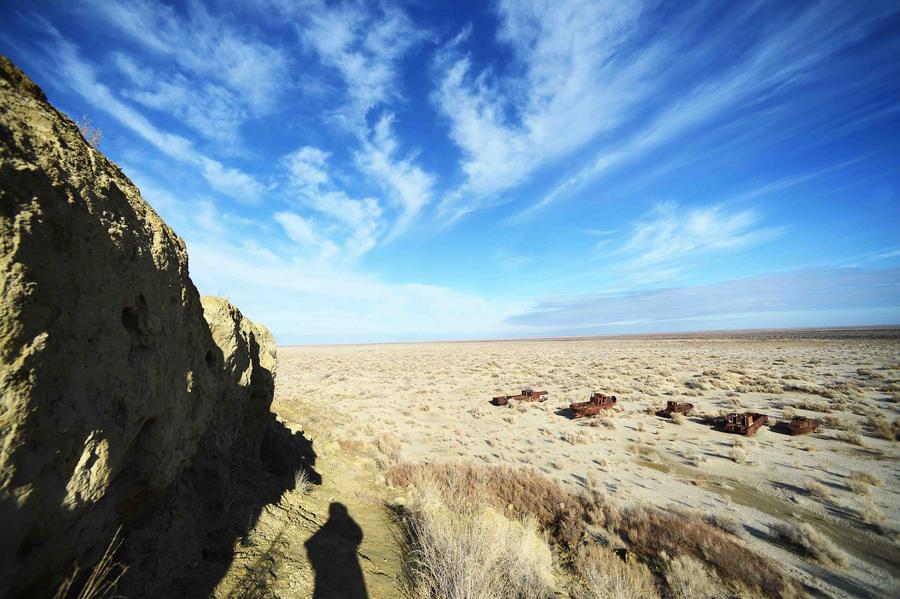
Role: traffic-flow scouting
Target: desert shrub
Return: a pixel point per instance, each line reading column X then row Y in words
column 557, row 511
column 881, row 427
column 723, row 522
column 836, row 423
column 653, row 534
column 605, row 422
column 604, row 576
column 302, row 482
column 807, row 541
column 858, row 487
column 813, row 405
column 816, row 489
column 678, row 418
column 91, row 134
column 579, row 437
column 687, row 578
column 870, row 515
column 851, row 437
column 466, row 551
column 737, row 455
column 866, row 477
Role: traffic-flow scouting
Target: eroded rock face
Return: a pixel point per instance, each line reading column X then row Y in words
column 113, row 384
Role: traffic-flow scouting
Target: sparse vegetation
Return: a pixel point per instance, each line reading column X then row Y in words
column 816, row 489
column 806, row 540
column 302, row 481
column 458, row 550
column 605, row 576
column 866, row 477
column 655, row 536
column 91, row 134
column 850, row 437
column 103, row 578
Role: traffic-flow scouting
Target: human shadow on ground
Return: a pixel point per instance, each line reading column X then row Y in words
column 332, row 551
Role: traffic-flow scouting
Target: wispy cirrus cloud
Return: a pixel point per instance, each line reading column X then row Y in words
column 407, row 185
column 671, row 235
column 81, row 77
column 598, row 81
column 819, row 290
column 575, row 79
column 788, row 53
column 366, row 47
column 212, row 47
column 345, row 227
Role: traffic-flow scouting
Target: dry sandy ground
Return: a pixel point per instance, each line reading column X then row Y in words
column 431, row 400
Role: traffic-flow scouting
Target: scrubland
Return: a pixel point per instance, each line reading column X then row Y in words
column 524, row 498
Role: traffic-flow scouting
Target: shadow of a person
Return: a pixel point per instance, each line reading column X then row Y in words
column 332, row 553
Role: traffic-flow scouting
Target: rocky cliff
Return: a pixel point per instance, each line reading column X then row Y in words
column 126, row 400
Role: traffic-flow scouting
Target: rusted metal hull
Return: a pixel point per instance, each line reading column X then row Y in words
column 532, row 396
column 593, row 406
column 526, row 395
column 800, row 425
column 744, row 424
column 674, row 407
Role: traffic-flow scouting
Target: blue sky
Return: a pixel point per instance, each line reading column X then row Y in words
column 381, row 171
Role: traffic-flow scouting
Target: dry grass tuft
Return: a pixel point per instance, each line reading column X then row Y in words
column 737, row 455
column 103, row 579
column 687, row 578
column 858, row 487
column 579, row 437
column 807, row 541
column 723, row 522
column 605, row 576
column 881, row 427
column 816, row 489
column 866, row 477
column 850, row 437
column 302, row 482
column 462, row 551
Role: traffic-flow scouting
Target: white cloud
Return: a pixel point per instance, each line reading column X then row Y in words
column 203, row 44
column 826, row 296
column 307, row 167
column 573, row 80
column 366, row 46
column 209, row 109
column 306, row 302
column 80, row 76
column 671, row 234
column 358, row 221
column 301, row 231
column 407, row 185
column 788, row 52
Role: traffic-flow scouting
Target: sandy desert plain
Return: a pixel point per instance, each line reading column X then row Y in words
column 429, row 403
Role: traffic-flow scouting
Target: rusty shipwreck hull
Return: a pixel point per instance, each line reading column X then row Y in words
column 676, row 407
column 745, row 424
column 801, row 425
column 594, row 405
column 525, row 395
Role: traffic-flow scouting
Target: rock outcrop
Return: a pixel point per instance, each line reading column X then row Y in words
column 121, row 405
